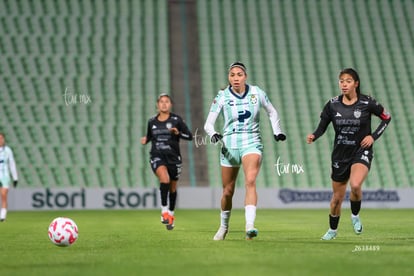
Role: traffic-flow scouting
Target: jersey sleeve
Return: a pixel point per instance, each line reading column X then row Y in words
column 149, row 133
column 12, row 166
column 215, row 110
column 271, row 112
column 325, row 119
column 378, row 110
column 185, row 132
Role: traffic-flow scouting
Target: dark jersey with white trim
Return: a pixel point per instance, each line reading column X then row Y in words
column 163, row 141
column 351, row 123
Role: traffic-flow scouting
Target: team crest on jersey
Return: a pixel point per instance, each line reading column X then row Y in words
column 357, row 113
column 168, row 125
column 253, row 99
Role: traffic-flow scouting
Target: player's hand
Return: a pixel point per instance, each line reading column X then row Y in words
column 15, row 183
column 367, row 142
column 310, row 138
column 280, row 137
column 216, row 138
column 144, row 140
column 174, row 131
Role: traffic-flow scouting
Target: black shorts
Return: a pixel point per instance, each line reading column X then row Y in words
column 341, row 169
column 172, row 162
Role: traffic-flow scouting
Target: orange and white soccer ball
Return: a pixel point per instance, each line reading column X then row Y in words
column 63, row 231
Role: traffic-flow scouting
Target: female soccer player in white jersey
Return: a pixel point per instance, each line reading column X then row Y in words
column 350, row 114
column 240, row 105
column 7, row 169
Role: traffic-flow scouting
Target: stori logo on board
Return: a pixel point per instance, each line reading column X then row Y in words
column 94, row 198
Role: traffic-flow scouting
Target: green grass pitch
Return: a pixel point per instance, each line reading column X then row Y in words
column 136, row 243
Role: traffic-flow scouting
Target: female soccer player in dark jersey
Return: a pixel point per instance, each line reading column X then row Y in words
column 164, row 132
column 350, row 114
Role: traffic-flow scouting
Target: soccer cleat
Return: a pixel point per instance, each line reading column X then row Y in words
column 221, row 234
column 251, row 233
column 170, row 222
column 329, row 235
column 356, row 223
column 164, row 218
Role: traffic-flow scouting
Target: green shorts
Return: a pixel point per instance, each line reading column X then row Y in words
column 233, row 157
column 4, row 182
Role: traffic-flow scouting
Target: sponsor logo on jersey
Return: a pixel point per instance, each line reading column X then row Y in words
column 154, row 126
column 338, row 114
column 341, row 122
column 244, row 114
column 235, row 103
column 357, row 113
column 335, row 99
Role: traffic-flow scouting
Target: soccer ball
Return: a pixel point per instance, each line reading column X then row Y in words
column 63, row 231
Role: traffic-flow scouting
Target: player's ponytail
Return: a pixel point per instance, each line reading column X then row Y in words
column 355, row 77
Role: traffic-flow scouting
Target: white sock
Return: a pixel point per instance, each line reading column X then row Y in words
column 171, row 212
column 353, row 216
column 164, row 209
column 3, row 213
column 225, row 217
column 250, row 214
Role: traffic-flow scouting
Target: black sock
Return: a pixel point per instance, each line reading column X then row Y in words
column 164, row 189
column 333, row 222
column 173, row 198
column 355, row 207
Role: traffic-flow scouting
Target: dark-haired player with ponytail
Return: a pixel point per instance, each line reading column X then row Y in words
column 350, row 114
column 164, row 132
column 240, row 104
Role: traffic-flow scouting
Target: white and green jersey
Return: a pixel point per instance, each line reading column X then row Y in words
column 241, row 116
column 7, row 164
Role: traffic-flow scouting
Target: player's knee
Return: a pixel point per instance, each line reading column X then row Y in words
column 336, row 199
column 250, row 184
column 335, row 204
column 250, row 180
column 228, row 192
column 164, row 179
column 355, row 186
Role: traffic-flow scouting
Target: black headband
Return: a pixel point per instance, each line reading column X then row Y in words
column 238, row 64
